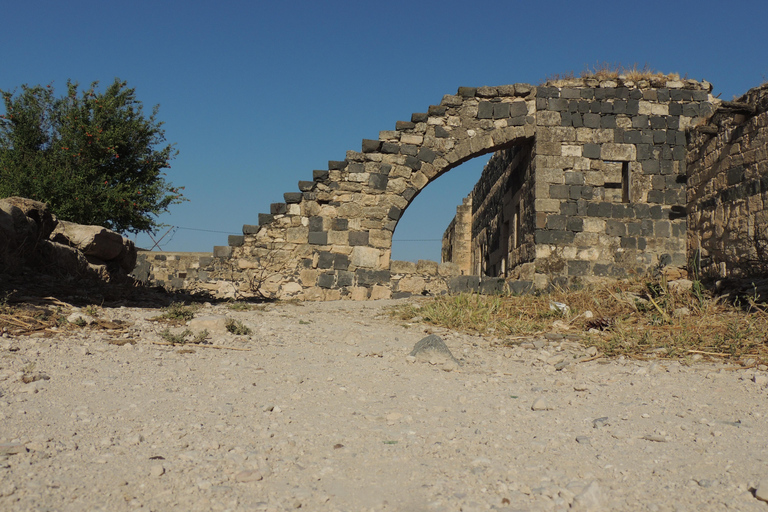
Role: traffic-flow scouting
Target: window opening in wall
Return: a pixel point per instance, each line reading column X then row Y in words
column 617, row 181
column 626, row 181
column 504, row 247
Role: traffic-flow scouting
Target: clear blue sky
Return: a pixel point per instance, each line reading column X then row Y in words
column 258, row 94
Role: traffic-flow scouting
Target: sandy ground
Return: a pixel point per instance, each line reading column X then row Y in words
column 326, row 411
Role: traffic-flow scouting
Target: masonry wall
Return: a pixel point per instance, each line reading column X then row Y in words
column 503, row 214
column 728, row 188
column 457, row 238
column 611, row 176
column 604, row 192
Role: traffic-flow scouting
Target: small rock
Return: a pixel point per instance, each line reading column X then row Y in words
column 12, row 448
column 583, row 440
column 36, row 446
column 450, row 366
column 135, row 439
column 588, row 314
column 681, row 312
column 79, row 317
column 761, row 492
column 760, row 380
column 212, row 323
column 580, row 387
column 556, row 359
column 7, row 490
column 680, row 285
column 249, row 475
column 655, row 438
column 600, row 422
column 541, row 404
column 157, row 470
column 432, row 349
column 33, row 377
column 32, row 387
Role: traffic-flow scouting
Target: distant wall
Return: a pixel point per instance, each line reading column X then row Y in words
column 457, row 239
column 174, row 270
column 728, row 188
column 203, row 272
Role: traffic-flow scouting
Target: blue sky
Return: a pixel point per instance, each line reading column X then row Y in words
column 258, row 94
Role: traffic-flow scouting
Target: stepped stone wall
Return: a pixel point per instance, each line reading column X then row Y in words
column 728, row 188
column 333, row 237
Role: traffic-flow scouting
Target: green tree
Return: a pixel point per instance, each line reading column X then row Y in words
column 94, row 157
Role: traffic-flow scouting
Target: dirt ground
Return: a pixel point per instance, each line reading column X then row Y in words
column 322, row 409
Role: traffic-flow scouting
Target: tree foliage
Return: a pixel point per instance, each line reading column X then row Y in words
column 94, row 157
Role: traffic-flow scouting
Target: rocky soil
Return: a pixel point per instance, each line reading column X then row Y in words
column 322, row 408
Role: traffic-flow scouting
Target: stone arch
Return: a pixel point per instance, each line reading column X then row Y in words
column 341, row 222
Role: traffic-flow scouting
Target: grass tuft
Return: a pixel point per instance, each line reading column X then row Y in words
column 237, row 328
column 611, row 71
column 175, row 339
column 177, row 313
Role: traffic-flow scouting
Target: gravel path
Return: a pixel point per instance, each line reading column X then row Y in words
column 327, row 411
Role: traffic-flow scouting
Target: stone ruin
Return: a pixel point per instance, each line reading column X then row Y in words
column 590, row 179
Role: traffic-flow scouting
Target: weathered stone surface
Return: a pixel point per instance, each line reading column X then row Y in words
column 366, row 257
column 427, row 267
column 413, row 285
column 402, row 267
column 620, row 152
column 433, row 350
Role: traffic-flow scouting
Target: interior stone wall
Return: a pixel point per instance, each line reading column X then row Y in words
column 457, row 238
column 728, row 188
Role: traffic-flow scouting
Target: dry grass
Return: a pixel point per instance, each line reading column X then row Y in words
column 631, row 318
column 613, row 71
column 177, row 313
column 609, row 71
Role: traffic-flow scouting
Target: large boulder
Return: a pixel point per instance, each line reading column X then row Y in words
column 99, row 245
column 64, row 258
column 23, row 225
column 36, row 211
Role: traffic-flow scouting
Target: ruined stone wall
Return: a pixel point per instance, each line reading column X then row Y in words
column 500, row 240
column 600, row 177
column 604, row 192
column 457, row 239
column 173, row 270
column 610, row 175
column 728, row 188
column 201, row 272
